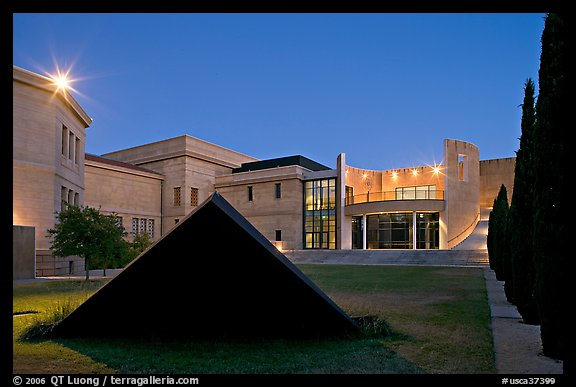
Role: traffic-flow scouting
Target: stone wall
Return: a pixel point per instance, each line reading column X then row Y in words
column 185, row 162
column 23, row 252
column 462, row 192
column 494, row 173
column 265, row 211
column 49, row 265
column 129, row 193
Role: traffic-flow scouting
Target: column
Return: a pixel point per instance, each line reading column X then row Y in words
column 364, row 244
column 414, row 231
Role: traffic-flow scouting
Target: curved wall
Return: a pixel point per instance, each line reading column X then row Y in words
column 462, row 191
column 364, row 180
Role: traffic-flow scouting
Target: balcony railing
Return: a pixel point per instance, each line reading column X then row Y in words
column 404, row 194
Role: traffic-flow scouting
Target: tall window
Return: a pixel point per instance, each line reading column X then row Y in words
column 77, row 151
column 462, row 167
column 177, row 195
column 151, row 228
column 357, row 233
column 64, row 197
column 142, row 229
column 250, row 193
column 71, row 143
column 349, row 195
column 76, row 199
column 134, row 228
column 278, row 190
column 427, row 230
column 320, row 214
column 64, row 140
column 278, row 235
column 70, row 197
column 193, row 197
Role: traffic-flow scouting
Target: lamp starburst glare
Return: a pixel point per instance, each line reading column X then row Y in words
column 62, row 79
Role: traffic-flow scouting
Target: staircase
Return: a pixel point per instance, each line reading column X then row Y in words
column 476, row 258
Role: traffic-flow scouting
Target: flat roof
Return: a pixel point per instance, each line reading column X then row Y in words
column 116, row 163
column 302, row 161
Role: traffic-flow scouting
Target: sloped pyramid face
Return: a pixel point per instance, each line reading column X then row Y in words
column 213, row 276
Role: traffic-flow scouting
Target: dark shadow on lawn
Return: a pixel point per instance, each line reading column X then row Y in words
column 330, row 356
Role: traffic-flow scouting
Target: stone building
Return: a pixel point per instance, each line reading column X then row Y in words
column 293, row 201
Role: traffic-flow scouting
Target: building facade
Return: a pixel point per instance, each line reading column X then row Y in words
column 48, row 146
column 131, row 193
column 293, row 201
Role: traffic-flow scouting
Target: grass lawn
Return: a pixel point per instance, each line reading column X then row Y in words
column 439, row 317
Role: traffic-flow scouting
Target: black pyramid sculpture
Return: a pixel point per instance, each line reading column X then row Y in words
column 213, row 276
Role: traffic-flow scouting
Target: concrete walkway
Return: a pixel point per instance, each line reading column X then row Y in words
column 517, row 346
column 94, row 274
column 468, row 258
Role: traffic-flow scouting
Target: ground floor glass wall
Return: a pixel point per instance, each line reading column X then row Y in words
column 357, row 232
column 427, row 230
column 389, row 231
column 395, row 230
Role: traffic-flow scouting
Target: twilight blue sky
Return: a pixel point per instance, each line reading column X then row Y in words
column 386, row 89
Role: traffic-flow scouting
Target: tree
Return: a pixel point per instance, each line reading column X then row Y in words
column 85, row 232
column 497, row 233
column 140, row 243
column 520, row 218
column 550, row 188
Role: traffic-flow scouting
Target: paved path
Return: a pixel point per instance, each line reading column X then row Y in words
column 517, row 346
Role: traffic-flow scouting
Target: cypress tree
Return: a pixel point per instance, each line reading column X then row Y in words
column 507, row 258
column 497, row 233
column 550, row 210
column 520, row 218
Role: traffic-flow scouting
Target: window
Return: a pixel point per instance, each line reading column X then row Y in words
column 134, row 226
column 278, row 190
column 64, row 140
column 427, row 230
column 77, row 152
column 76, row 199
column 320, row 214
column 63, row 197
column 357, row 233
column 151, row 228
column 462, row 167
column 177, row 192
column 417, row 192
column 70, row 197
column 142, row 226
column 389, row 231
column 278, row 235
column 71, row 143
column 193, row 197
column 250, row 193
column 349, row 195
column 118, row 221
